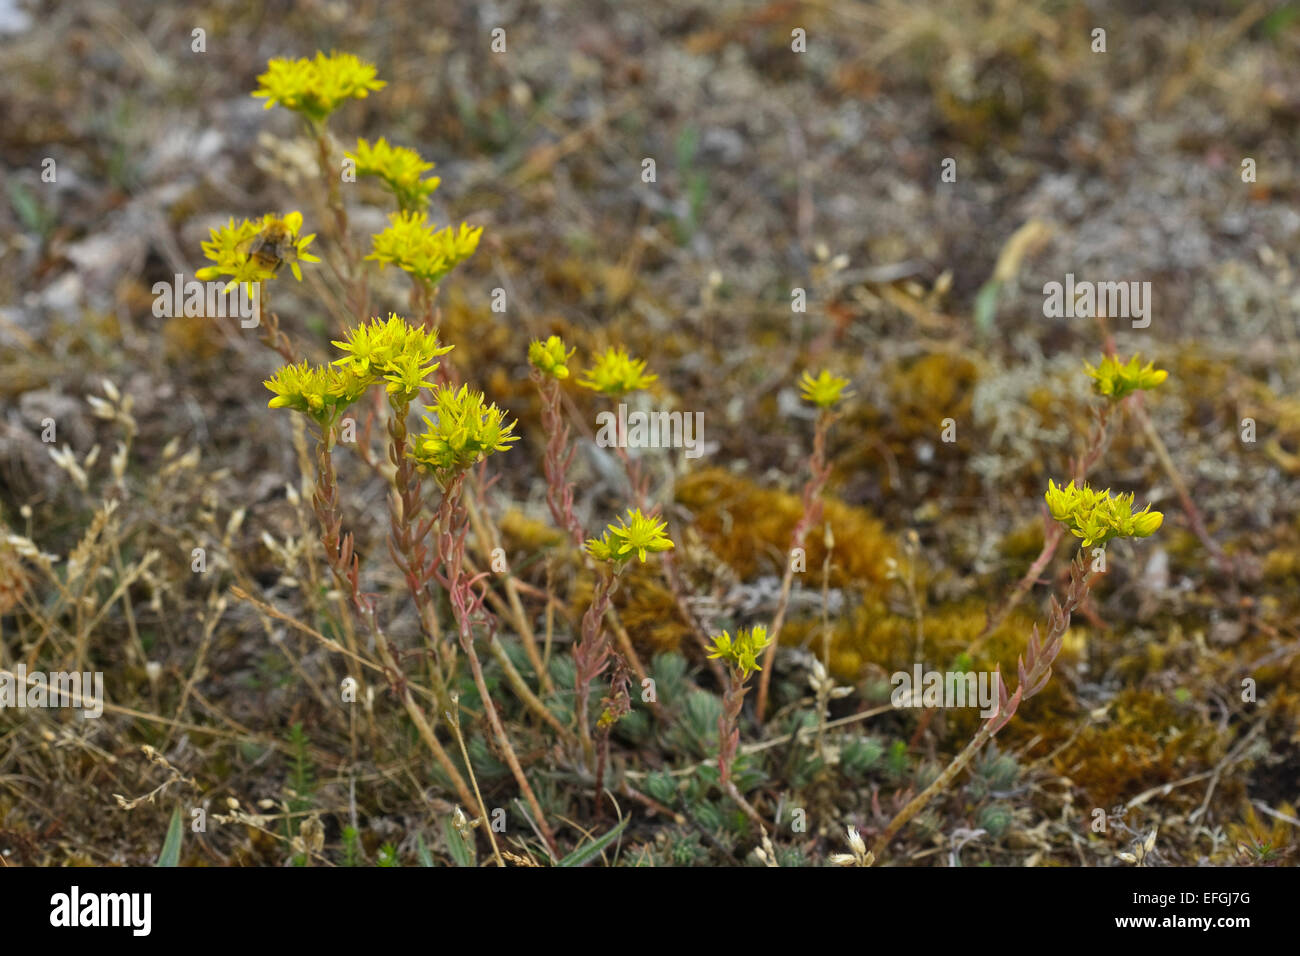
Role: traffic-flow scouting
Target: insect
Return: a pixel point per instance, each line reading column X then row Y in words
column 272, row 247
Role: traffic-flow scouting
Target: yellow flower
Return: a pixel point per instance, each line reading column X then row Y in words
column 375, row 345
column 464, row 429
column 617, row 373
column 824, row 390
column 399, row 168
column 550, row 357
column 417, row 248
column 634, row 534
column 406, row 376
column 603, row 548
column 1115, row 381
column 315, row 88
column 1098, row 516
column 320, row 392
column 401, row 353
column 253, row 251
column 742, row 652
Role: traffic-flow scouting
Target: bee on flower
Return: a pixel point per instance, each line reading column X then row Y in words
column 254, row 251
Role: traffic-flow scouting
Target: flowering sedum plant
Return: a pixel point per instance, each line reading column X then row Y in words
column 1115, row 380
column 399, row 169
column 740, row 653
column 399, row 359
column 463, row 430
column 415, row 247
column 321, row 393
column 1099, row 516
column 825, row 391
column 634, row 534
column 382, row 347
column 550, row 357
column 391, row 350
column 616, row 373
column 316, row 87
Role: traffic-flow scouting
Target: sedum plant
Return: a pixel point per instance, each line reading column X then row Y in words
column 635, row 536
column 390, row 367
column 825, row 392
column 1116, row 382
column 399, row 168
column 399, row 363
column 1095, row 518
column 393, row 366
column 315, row 88
column 739, row 656
column 1099, row 516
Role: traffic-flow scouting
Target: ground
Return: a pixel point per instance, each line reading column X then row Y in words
column 882, row 190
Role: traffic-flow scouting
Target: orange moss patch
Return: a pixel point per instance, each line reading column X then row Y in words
column 645, row 606
column 749, row 528
column 876, row 637
column 528, row 534
column 1146, row 740
column 928, row 390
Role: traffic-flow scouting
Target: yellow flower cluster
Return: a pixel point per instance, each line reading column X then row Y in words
column 463, row 430
column 823, row 391
column 1115, row 380
column 402, row 353
column 634, row 534
column 399, row 168
column 1097, row 516
column 321, row 392
column 254, row 250
column 550, row 357
column 316, row 88
column 417, row 248
column 392, row 349
column 742, row 652
column 617, row 373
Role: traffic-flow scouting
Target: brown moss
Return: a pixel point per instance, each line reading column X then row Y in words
column 1256, row 839
column 186, row 340
column 1024, row 543
column 1148, row 739
column 1282, row 566
column 984, row 112
column 528, row 534
column 929, row 389
column 872, row 636
column 645, row 606
column 749, row 528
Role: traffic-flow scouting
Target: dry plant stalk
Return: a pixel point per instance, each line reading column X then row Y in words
column 1034, row 671
column 819, row 471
